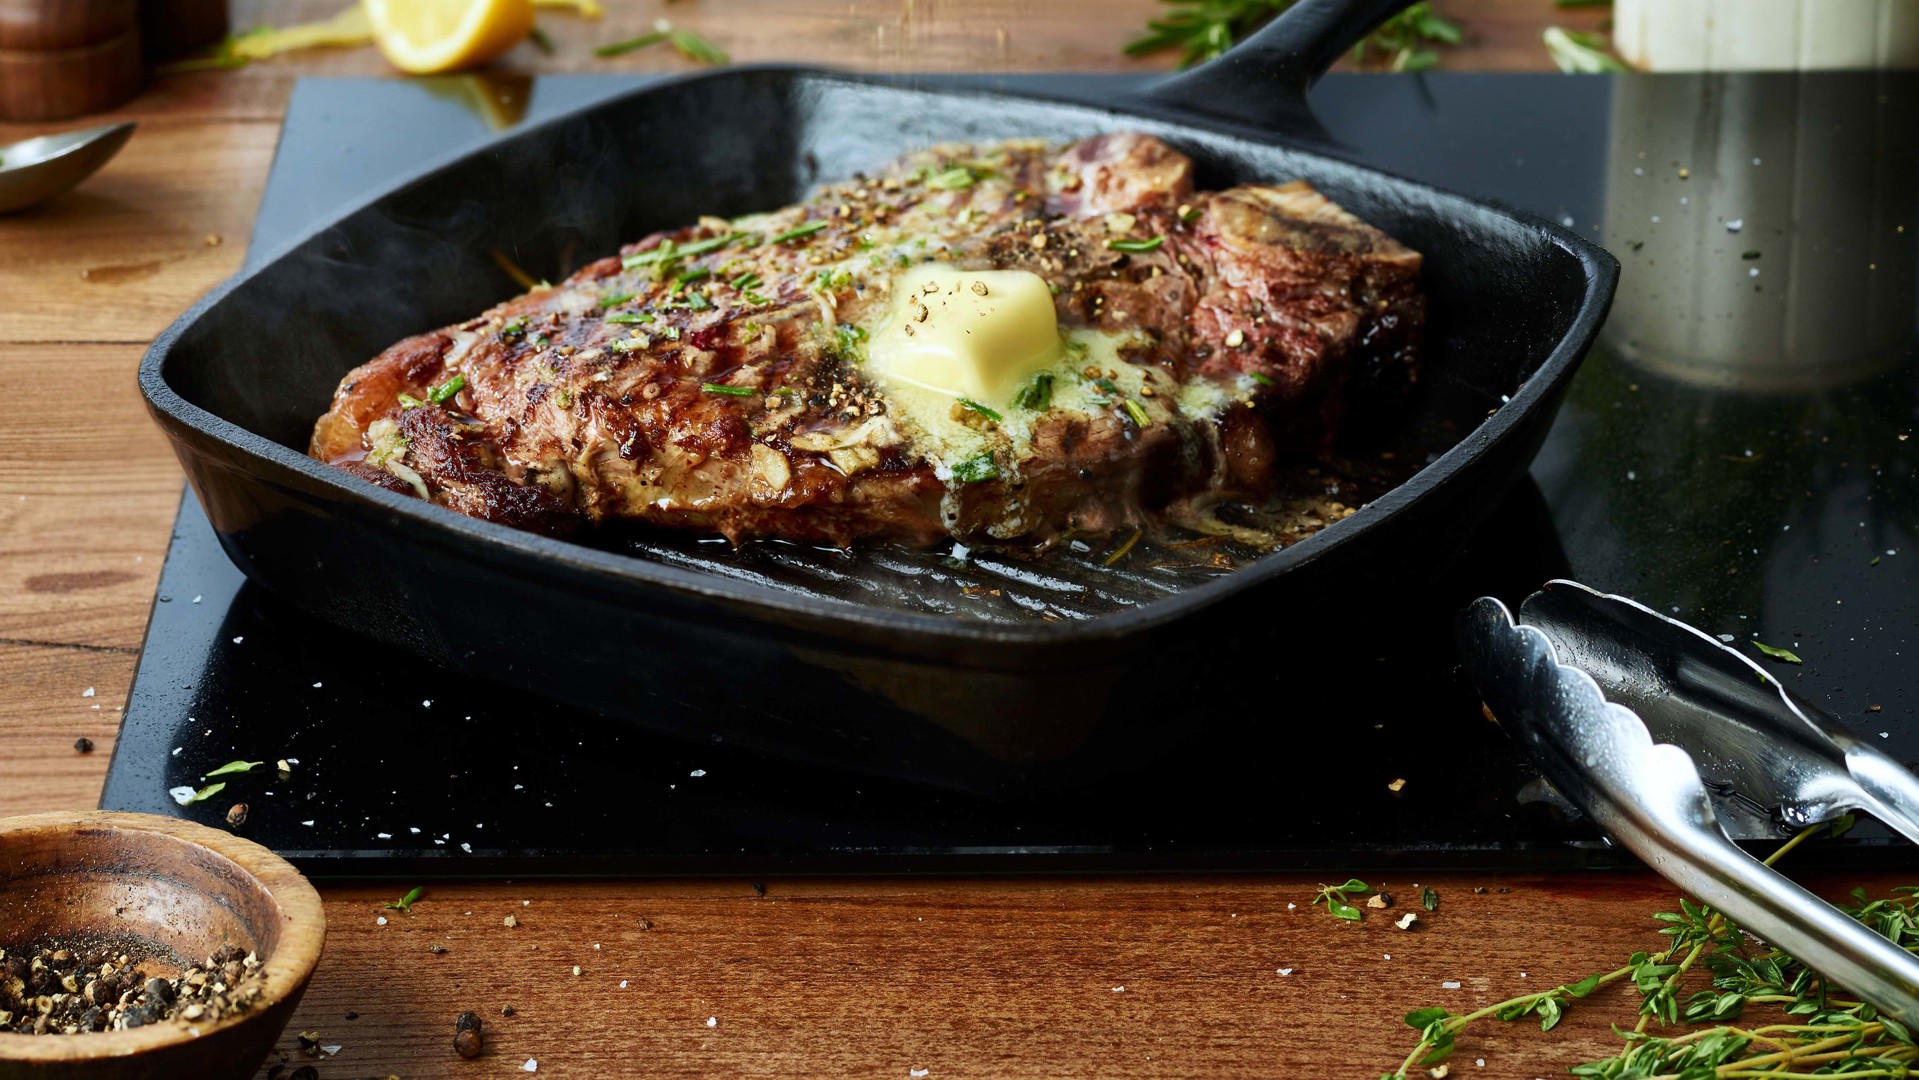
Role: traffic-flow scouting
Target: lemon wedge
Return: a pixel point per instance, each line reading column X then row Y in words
column 424, row 37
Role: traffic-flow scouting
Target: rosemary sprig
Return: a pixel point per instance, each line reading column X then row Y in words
column 1826, row 1033
column 689, row 44
column 1202, row 29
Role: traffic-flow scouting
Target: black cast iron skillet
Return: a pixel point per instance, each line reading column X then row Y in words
column 865, row 660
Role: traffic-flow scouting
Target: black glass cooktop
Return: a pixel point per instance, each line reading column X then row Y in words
column 1735, row 452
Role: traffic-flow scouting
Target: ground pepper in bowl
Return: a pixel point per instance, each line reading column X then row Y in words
column 59, row 989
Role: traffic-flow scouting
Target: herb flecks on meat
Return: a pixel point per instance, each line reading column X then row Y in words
column 732, row 376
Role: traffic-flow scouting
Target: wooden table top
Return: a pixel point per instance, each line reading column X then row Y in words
column 1145, row 977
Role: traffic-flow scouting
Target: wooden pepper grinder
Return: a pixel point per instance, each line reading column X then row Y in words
column 61, row 58
column 64, row 58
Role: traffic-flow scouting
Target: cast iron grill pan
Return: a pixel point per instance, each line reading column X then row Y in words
column 237, row 381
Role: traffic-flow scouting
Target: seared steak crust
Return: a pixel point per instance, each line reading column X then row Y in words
column 711, row 378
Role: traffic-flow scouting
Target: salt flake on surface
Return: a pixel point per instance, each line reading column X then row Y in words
column 1450, row 985
column 182, row 795
column 384, row 835
column 332, row 1050
column 697, row 773
column 468, row 848
column 381, row 921
column 88, row 692
column 916, row 1073
column 239, row 639
column 712, row 1021
column 1119, row 989
column 1735, row 224
column 1285, row 971
column 308, row 823
column 530, row 1066
column 622, row 984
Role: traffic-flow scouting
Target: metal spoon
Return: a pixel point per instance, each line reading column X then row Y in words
column 35, row 170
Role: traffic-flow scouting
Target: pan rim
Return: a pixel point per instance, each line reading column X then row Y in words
column 447, row 532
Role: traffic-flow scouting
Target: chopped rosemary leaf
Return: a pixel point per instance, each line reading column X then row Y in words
column 446, row 389
column 514, row 327
column 408, row 401
column 697, row 301
column 670, row 333
column 756, row 299
column 1035, row 395
column 615, row 298
column 405, row 903
column 748, row 280
column 1136, row 246
column 630, row 317
column 959, row 176
column 981, row 409
column 1786, row 655
column 976, row 470
column 1137, row 412
column 797, row 232
column 231, row 768
column 692, row 275
column 668, row 250
column 696, row 48
column 735, row 391
column 631, row 44
column 1260, row 379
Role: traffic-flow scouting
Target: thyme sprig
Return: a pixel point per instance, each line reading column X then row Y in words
column 1335, row 898
column 1825, row 1033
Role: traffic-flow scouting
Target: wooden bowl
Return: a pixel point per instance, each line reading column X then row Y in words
column 172, row 888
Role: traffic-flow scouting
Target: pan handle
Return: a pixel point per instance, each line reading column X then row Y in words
column 1262, row 81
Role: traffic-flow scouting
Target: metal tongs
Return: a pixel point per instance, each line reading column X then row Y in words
column 1662, row 735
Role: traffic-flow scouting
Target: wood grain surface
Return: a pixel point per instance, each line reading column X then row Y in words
column 880, row 978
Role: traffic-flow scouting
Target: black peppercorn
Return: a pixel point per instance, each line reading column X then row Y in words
column 83, row 744
column 467, row 1037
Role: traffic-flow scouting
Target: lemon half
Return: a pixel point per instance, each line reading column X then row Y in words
column 423, row 37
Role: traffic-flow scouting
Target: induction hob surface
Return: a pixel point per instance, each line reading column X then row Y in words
column 1780, row 512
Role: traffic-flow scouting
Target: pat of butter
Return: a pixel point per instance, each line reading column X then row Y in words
column 967, row 333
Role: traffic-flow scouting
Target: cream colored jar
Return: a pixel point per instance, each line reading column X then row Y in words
column 1766, row 35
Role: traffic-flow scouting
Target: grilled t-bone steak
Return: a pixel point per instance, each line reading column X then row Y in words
column 758, row 377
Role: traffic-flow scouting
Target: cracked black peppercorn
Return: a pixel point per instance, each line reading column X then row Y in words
column 467, row 1037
